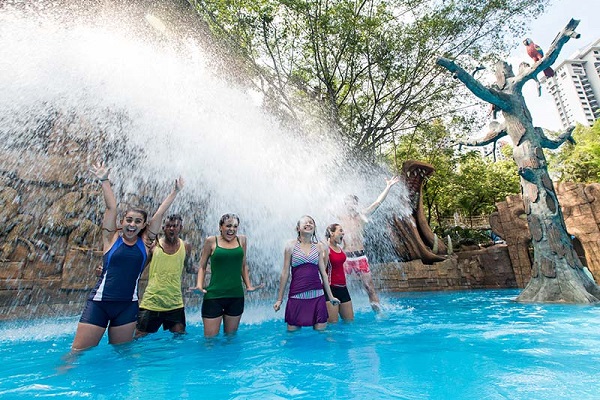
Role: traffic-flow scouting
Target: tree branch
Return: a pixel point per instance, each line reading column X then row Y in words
column 496, row 132
column 553, row 144
column 484, row 93
column 559, row 41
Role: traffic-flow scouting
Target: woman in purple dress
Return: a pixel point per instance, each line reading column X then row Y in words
column 305, row 257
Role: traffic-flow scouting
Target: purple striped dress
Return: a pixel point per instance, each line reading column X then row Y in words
column 306, row 300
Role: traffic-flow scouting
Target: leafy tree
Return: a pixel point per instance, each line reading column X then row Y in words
column 480, row 183
column 581, row 162
column 369, row 65
column 463, row 182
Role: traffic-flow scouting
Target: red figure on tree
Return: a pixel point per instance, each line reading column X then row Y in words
column 535, row 52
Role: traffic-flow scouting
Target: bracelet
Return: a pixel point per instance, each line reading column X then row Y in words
column 102, row 180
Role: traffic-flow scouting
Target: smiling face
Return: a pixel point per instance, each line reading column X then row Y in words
column 133, row 222
column 306, row 225
column 229, row 228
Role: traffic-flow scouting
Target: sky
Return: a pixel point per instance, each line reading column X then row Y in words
column 542, row 31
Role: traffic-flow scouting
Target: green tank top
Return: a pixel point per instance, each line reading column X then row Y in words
column 163, row 292
column 225, row 273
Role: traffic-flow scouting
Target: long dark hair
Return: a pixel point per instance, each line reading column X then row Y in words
column 330, row 229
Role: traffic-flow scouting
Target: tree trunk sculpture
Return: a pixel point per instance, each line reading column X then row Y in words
column 412, row 235
column 557, row 274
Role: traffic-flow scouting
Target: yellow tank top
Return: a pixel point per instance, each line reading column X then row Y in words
column 163, row 292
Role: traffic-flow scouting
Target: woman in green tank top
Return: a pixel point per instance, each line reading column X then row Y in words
column 224, row 296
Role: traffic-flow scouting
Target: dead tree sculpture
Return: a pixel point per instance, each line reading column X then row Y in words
column 557, row 274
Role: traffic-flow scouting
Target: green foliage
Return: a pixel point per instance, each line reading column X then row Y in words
column 466, row 236
column 465, row 183
column 580, row 162
column 364, row 67
column 480, row 183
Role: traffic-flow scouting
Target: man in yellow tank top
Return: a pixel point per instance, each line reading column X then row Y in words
column 162, row 303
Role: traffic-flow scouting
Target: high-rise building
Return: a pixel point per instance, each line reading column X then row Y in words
column 575, row 87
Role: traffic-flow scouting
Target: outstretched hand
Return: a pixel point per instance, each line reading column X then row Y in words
column 253, row 288
column 392, row 181
column 100, row 171
column 179, row 183
column 197, row 290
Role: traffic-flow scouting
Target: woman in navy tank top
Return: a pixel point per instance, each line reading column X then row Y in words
column 113, row 303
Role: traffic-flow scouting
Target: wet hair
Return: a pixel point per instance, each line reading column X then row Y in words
column 351, row 197
column 173, row 218
column 330, row 229
column 139, row 211
column 225, row 217
column 313, row 238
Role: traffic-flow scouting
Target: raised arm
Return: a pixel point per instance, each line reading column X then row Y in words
column 285, row 273
column 388, row 185
column 109, row 221
column 156, row 220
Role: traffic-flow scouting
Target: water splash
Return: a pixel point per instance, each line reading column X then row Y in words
column 152, row 106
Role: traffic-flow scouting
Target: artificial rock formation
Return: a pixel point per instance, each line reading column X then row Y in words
column 580, row 205
column 50, row 217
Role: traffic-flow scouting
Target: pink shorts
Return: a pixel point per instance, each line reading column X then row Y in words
column 360, row 265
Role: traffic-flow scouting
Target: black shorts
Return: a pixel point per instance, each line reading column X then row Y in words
column 341, row 293
column 149, row 321
column 215, row 308
column 116, row 313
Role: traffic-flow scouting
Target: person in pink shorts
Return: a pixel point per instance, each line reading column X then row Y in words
column 354, row 221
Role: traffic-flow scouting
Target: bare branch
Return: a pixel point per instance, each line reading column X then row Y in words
column 484, row 93
column 555, row 144
column 496, row 132
column 559, row 41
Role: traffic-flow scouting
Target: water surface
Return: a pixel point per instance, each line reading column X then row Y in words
column 457, row 345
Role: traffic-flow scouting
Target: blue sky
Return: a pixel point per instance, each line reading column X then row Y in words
column 542, row 31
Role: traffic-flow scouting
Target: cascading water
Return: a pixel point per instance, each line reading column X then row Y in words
column 119, row 87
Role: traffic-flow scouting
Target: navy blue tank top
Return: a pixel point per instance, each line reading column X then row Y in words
column 123, row 265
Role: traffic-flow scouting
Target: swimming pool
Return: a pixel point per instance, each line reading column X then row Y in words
column 453, row 345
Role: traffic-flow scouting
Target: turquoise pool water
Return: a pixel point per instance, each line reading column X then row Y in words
column 458, row 345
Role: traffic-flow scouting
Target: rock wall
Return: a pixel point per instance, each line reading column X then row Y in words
column 580, row 204
column 485, row 268
column 50, row 219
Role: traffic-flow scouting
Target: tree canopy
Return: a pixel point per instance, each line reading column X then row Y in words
column 464, row 182
column 363, row 67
